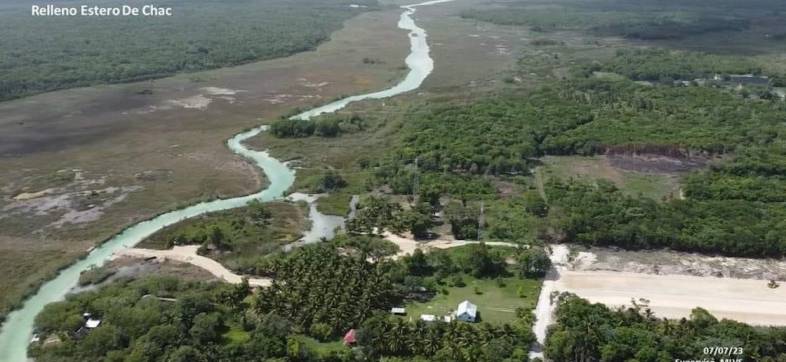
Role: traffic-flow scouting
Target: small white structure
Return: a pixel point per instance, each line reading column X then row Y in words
column 447, row 318
column 398, row 311
column 92, row 323
column 428, row 317
column 467, row 312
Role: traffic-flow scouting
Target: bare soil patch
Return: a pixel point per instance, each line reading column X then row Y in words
column 647, row 177
column 652, row 163
column 674, row 296
column 188, row 254
column 677, row 263
column 131, row 268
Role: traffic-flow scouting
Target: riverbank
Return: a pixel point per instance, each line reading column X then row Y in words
column 17, row 330
column 92, row 176
column 188, row 254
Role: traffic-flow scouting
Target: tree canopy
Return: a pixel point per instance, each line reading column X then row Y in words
column 41, row 54
column 593, row 332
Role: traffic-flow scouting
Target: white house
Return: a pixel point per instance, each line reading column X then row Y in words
column 398, row 311
column 467, row 311
column 92, row 323
column 428, row 317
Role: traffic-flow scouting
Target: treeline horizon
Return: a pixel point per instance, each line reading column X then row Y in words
column 42, row 54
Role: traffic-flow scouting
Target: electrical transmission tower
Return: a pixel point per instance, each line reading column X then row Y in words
column 480, row 222
column 416, row 182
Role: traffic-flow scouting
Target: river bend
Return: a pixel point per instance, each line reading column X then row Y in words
column 18, row 327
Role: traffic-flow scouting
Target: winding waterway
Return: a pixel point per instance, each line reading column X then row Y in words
column 18, row 328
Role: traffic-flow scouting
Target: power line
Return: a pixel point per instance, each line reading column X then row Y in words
column 416, row 182
column 480, row 221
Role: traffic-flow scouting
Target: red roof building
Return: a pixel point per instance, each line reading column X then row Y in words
column 349, row 338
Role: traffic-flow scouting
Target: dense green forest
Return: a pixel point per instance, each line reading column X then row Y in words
column 633, row 19
column 321, row 291
column 138, row 325
column 735, row 207
column 601, row 215
column 585, row 115
column 503, row 135
column 660, row 25
column 41, row 54
column 753, row 174
column 443, row 342
column 668, row 65
column 593, row 332
column 325, row 126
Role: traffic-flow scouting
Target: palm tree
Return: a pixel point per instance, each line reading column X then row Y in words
column 398, row 336
column 431, row 343
column 417, row 337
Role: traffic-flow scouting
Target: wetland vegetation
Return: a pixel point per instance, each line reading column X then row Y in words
column 241, row 239
column 472, row 168
column 670, row 22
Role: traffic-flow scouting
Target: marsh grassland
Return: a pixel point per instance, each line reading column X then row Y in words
column 84, row 163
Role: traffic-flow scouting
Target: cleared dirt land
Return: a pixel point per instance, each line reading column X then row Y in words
column 674, row 296
column 188, row 254
column 407, row 245
column 671, row 296
column 81, row 164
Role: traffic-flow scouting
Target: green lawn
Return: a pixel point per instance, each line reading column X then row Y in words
column 337, row 202
column 236, row 335
column 323, row 349
column 496, row 304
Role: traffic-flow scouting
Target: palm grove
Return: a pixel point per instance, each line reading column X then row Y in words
column 320, row 292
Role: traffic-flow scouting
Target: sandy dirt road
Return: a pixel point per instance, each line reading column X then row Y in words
column 670, row 296
column 407, row 245
column 188, row 254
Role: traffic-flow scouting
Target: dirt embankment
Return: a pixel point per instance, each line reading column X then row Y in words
column 663, row 163
column 675, row 296
column 188, row 254
column 605, row 276
column 672, row 284
column 407, row 244
column 666, row 262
